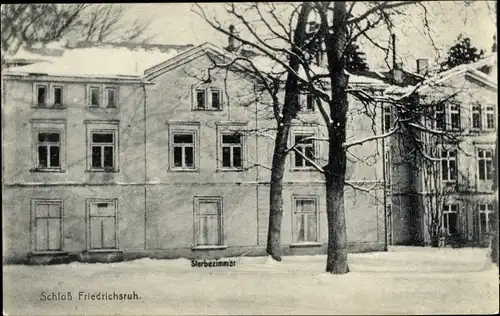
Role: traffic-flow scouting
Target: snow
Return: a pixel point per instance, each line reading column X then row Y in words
column 23, row 54
column 405, row 280
column 99, row 62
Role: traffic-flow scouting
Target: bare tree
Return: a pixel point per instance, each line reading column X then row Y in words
column 106, row 22
column 277, row 35
column 29, row 23
column 25, row 24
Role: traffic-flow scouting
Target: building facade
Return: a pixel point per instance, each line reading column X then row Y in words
column 111, row 154
column 453, row 195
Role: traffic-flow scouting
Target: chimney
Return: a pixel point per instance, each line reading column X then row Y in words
column 422, row 65
column 231, row 41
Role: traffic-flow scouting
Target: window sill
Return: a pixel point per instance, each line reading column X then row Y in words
column 306, row 244
column 302, row 169
column 207, row 110
column 48, row 170
column 230, row 170
column 221, row 247
column 183, row 170
column 103, row 170
column 48, row 253
column 51, row 107
column 103, row 250
column 95, row 107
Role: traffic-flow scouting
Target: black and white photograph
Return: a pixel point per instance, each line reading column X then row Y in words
column 250, row 158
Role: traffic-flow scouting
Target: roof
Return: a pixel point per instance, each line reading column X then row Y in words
column 475, row 69
column 97, row 60
column 126, row 60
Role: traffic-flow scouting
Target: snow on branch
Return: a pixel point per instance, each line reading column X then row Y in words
column 370, row 138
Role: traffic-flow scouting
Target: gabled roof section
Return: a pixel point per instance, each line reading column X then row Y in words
column 473, row 70
column 185, row 56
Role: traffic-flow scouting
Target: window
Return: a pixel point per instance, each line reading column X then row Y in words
column 447, row 116
column 305, row 219
column 49, row 150
column 476, row 117
column 48, row 145
column 184, row 144
column 102, row 224
column 232, row 150
column 450, row 219
column 307, row 102
column 102, row 95
column 485, row 164
column 102, row 151
column 208, row 98
column 46, row 216
column 387, row 117
column 215, row 98
column 48, row 95
column 200, row 98
column 103, row 147
column 305, row 145
column 485, row 214
column 95, row 96
column 58, row 96
column 41, row 93
column 440, row 117
column 110, row 97
column 183, row 150
column 208, row 221
column 490, row 117
column 455, row 116
column 448, row 165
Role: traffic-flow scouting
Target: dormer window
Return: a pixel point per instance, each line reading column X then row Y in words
column 209, row 98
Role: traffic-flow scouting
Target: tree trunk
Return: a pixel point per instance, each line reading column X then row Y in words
column 336, row 261
column 289, row 111
column 276, row 192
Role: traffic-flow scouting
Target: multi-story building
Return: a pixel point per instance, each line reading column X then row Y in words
column 118, row 152
column 452, row 196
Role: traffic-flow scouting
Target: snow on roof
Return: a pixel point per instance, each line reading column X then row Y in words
column 34, row 55
column 98, row 62
column 489, row 60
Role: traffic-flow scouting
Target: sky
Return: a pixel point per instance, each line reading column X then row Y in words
column 176, row 23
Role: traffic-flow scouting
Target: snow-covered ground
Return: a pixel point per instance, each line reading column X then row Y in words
column 404, row 280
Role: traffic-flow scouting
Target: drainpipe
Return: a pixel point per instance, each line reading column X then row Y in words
column 145, row 160
column 257, row 175
column 384, row 171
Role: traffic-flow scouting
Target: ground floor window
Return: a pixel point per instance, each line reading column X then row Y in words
column 485, row 219
column 208, row 221
column 305, row 219
column 102, row 224
column 450, row 219
column 47, row 225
